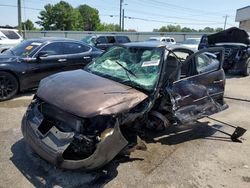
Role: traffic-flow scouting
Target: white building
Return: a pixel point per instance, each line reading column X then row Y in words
column 243, row 16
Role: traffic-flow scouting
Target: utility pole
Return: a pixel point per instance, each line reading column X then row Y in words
column 123, row 19
column 19, row 17
column 225, row 23
column 120, row 22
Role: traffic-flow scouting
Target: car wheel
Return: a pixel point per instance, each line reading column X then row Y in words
column 8, row 85
column 246, row 70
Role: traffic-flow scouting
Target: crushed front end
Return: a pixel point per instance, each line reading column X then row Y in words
column 69, row 141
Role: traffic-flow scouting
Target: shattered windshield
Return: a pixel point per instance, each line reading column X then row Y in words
column 135, row 66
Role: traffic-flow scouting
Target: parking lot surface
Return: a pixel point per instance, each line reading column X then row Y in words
column 197, row 155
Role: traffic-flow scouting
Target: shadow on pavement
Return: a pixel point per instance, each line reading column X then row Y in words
column 20, row 100
column 43, row 174
column 184, row 133
column 232, row 75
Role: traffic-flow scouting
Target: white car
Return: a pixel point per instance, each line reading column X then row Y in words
column 192, row 43
column 8, row 39
column 170, row 40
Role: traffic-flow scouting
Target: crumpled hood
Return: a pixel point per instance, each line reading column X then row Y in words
column 87, row 95
column 8, row 58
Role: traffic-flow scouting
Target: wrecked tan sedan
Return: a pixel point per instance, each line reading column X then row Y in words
column 84, row 118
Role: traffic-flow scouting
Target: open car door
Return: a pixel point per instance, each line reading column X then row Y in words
column 200, row 93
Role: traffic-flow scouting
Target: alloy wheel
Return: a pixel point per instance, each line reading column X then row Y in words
column 8, row 86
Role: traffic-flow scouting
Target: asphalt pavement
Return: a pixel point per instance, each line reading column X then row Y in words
column 197, row 155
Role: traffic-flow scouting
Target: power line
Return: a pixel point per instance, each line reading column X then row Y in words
column 161, row 21
column 177, row 9
column 166, row 16
column 30, row 8
column 160, row 3
column 202, row 22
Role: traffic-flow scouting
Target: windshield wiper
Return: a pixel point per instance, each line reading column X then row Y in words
column 127, row 70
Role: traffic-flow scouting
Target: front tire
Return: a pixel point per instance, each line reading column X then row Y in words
column 246, row 69
column 8, row 86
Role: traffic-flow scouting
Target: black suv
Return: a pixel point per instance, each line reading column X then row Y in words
column 104, row 42
column 237, row 49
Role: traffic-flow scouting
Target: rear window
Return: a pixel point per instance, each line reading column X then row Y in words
column 10, row 34
column 122, row 39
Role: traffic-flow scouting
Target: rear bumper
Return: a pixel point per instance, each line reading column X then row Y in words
column 52, row 145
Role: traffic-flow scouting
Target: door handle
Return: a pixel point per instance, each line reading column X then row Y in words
column 62, row 60
column 86, row 57
column 217, row 81
column 33, row 69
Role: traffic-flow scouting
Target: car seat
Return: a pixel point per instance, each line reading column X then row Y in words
column 173, row 71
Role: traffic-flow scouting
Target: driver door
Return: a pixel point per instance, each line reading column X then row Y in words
column 55, row 61
column 200, row 93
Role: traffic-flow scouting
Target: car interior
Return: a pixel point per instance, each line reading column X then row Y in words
column 204, row 62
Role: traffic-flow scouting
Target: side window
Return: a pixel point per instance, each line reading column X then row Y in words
column 54, row 48
column 122, row 39
column 168, row 40
column 172, row 40
column 164, row 40
column 74, row 48
column 101, row 40
column 206, row 62
column 185, row 68
column 111, row 39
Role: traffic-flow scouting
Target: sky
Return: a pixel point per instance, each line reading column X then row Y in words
column 142, row 15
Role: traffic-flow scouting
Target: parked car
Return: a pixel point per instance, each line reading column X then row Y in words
column 237, row 49
column 8, row 39
column 104, row 42
column 192, row 43
column 23, row 66
column 128, row 88
column 169, row 40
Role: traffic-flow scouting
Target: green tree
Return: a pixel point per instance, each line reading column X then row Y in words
column 187, row 29
column 28, row 25
column 89, row 18
column 207, row 30
column 170, row 28
column 218, row 29
column 47, row 18
column 61, row 16
column 108, row 27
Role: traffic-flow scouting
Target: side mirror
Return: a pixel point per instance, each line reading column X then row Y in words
column 44, row 54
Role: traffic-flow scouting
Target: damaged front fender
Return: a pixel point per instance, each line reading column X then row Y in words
column 53, row 144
